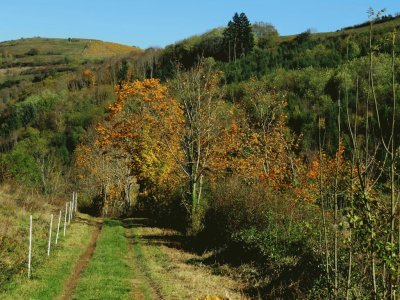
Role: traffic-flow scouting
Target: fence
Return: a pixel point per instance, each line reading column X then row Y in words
column 71, row 208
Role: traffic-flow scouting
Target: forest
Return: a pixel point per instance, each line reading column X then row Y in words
column 278, row 155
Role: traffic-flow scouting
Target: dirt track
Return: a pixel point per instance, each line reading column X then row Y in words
column 82, row 263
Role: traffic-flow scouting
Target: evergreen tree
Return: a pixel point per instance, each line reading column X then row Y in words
column 123, row 71
column 238, row 37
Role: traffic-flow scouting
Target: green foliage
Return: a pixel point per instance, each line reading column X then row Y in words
column 21, row 166
column 32, row 52
column 269, row 39
column 123, row 71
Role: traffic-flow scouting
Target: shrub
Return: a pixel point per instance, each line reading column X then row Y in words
column 32, row 52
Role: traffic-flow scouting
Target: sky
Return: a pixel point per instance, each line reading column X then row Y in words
column 151, row 23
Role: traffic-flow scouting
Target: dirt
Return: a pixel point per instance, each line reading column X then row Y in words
column 82, row 263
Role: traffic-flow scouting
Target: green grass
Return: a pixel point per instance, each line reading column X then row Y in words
column 169, row 270
column 48, row 279
column 109, row 274
column 150, row 259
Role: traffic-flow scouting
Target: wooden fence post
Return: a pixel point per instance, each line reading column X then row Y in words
column 69, row 212
column 76, row 201
column 73, row 204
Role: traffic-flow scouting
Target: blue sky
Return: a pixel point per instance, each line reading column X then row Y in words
column 148, row 23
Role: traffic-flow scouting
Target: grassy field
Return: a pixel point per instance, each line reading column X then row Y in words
column 56, row 49
column 173, row 272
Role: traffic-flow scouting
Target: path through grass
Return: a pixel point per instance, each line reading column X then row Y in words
column 110, row 273
column 125, row 260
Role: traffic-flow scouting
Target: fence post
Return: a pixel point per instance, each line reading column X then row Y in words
column 51, row 227
column 73, row 204
column 30, row 247
column 58, row 226
column 76, row 201
column 65, row 217
column 69, row 212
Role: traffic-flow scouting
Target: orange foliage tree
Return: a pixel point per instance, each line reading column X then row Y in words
column 143, row 124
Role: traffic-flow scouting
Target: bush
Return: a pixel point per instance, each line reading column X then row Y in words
column 268, row 231
column 32, row 52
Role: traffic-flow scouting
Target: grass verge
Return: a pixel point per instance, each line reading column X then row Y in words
column 49, row 278
column 171, row 272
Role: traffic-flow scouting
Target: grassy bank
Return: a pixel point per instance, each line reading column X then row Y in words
column 172, row 272
column 49, row 277
column 16, row 205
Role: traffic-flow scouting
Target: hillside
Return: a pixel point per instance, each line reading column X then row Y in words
column 265, row 162
column 33, row 59
column 35, row 51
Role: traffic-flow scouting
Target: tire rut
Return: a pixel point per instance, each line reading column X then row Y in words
column 81, row 264
column 132, row 239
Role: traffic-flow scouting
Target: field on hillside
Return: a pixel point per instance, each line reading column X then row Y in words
column 36, row 51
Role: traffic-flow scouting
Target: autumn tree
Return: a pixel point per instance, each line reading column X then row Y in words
column 143, row 124
column 102, row 175
column 200, row 97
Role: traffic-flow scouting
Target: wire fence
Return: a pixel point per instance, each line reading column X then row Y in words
column 71, row 207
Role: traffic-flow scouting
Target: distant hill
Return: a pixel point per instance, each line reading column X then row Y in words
column 49, row 51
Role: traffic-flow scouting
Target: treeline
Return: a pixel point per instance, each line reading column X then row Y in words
column 379, row 20
column 264, row 50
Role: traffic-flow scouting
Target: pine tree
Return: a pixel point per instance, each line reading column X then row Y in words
column 238, row 37
column 123, row 71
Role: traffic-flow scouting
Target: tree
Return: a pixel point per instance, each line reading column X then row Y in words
column 200, row 97
column 141, row 129
column 123, row 71
column 238, row 37
column 266, row 34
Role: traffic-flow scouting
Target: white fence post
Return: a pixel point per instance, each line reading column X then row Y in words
column 65, row 217
column 51, row 227
column 30, row 247
column 69, row 212
column 76, row 201
column 58, row 226
column 73, row 204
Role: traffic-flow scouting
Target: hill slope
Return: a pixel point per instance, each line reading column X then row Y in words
column 33, row 51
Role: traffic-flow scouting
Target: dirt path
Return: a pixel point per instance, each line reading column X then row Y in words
column 82, row 262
